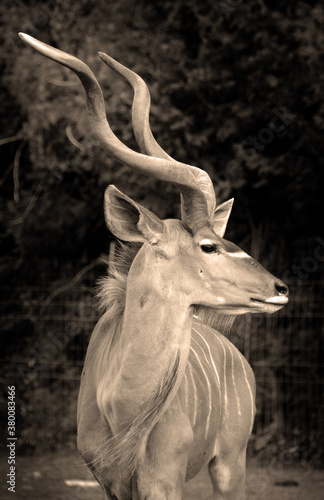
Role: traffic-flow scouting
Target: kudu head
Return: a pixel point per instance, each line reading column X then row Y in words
column 210, row 270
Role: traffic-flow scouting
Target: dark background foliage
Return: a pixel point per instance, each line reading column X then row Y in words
column 221, row 73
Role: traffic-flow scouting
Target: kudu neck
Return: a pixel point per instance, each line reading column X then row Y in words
column 156, row 329
column 155, row 306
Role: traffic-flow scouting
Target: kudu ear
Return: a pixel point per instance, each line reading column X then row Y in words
column 221, row 217
column 128, row 220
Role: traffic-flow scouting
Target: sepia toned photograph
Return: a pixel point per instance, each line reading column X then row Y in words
column 162, row 250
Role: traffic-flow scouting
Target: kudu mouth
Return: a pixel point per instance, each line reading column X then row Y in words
column 272, row 304
column 275, row 302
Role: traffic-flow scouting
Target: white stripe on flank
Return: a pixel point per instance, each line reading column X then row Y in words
column 238, row 402
column 210, row 355
column 186, row 389
column 209, row 392
column 201, row 350
column 225, row 381
column 251, row 395
column 194, row 390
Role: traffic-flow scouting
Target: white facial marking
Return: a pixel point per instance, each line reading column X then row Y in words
column 206, row 242
column 238, row 255
column 278, row 300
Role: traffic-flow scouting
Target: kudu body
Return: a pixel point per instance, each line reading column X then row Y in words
column 164, row 394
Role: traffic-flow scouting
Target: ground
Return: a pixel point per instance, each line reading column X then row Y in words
column 59, row 477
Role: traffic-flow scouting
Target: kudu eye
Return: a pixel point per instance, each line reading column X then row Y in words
column 209, row 247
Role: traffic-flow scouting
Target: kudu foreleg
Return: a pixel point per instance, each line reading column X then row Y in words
column 161, row 469
column 228, row 477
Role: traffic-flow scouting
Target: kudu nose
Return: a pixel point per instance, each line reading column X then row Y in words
column 281, row 288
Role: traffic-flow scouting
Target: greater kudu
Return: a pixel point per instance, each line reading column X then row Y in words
column 163, row 393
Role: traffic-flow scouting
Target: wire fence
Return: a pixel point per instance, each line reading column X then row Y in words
column 47, row 330
column 285, row 352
